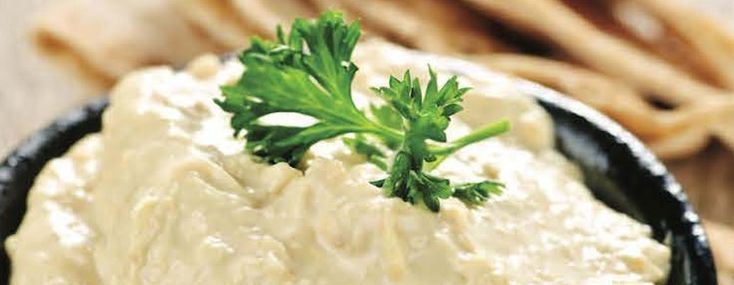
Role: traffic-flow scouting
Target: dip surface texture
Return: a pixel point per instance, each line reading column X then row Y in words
column 165, row 195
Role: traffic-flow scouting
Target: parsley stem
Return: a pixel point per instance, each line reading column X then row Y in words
column 392, row 135
column 488, row 131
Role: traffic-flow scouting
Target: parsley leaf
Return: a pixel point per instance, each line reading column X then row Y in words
column 310, row 72
column 426, row 118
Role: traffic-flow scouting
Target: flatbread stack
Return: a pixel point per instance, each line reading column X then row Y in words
column 660, row 68
column 103, row 40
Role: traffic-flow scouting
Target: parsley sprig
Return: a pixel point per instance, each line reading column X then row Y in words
column 310, row 72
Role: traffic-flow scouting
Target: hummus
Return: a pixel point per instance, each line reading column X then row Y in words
column 165, row 195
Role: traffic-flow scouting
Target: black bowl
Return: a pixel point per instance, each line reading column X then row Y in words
column 616, row 166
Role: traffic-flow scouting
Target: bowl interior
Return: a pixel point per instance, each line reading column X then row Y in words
column 616, row 166
column 20, row 168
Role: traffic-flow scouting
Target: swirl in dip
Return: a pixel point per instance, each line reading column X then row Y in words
column 165, row 195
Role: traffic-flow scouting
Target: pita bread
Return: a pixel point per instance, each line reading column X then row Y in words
column 722, row 237
column 610, row 55
column 658, row 127
column 106, row 39
column 453, row 28
column 263, row 15
column 707, row 40
column 217, row 19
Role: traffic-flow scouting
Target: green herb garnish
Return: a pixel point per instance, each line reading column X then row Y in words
column 310, row 72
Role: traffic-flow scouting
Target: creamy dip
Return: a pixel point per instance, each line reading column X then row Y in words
column 165, row 195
